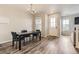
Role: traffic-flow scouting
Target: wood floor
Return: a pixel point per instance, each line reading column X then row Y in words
column 51, row 45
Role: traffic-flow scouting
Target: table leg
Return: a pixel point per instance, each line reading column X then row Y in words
column 19, row 43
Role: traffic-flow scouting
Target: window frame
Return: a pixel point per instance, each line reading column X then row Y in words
column 38, row 23
column 66, row 23
column 52, row 22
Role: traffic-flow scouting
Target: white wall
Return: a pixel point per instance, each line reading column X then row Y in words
column 14, row 19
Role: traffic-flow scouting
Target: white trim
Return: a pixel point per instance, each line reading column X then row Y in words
column 5, row 41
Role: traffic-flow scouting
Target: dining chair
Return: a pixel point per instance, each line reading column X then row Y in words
column 15, row 38
column 26, row 36
column 35, row 34
column 38, row 30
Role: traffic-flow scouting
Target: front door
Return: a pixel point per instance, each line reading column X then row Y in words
column 54, row 25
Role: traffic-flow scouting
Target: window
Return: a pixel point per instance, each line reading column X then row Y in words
column 52, row 22
column 65, row 24
column 38, row 23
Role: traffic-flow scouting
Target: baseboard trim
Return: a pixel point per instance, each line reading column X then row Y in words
column 5, row 42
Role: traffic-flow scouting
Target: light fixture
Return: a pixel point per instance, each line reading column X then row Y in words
column 32, row 10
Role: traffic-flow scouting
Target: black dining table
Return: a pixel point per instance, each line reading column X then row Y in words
column 25, row 34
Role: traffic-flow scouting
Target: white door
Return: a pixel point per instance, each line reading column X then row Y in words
column 54, row 25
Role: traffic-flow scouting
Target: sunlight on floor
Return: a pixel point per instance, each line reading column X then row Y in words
column 66, row 45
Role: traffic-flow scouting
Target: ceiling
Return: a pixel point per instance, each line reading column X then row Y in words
column 64, row 9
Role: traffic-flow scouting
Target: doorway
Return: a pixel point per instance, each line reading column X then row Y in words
column 54, row 25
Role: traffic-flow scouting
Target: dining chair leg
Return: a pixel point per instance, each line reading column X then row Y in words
column 16, row 44
column 32, row 37
column 24, row 42
column 13, row 43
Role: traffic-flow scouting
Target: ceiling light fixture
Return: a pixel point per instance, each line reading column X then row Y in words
column 32, row 10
